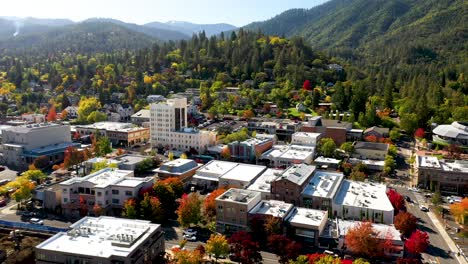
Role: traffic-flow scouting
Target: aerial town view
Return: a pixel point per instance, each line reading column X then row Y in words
column 267, row 131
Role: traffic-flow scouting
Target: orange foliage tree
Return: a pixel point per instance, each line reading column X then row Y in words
column 209, row 205
column 52, row 114
column 363, row 240
column 405, row 222
column 189, row 211
column 460, row 210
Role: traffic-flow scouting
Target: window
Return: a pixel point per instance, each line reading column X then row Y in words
column 99, row 194
column 115, row 192
column 65, row 200
column 115, row 201
column 64, row 190
column 128, row 193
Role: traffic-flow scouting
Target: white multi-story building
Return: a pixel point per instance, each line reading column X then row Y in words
column 22, row 144
column 105, row 240
column 108, row 188
column 168, row 124
column 306, row 138
column 282, row 156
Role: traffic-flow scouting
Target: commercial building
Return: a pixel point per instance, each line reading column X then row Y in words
column 455, row 133
column 370, row 150
column 105, row 240
column 329, row 128
column 321, row 190
column 282, row 128
column 263, row 183
column 326, row 163
column 107, row 188
column 120, row 134
column 130, row 161
column 168, row 123
column 306, row 138
column 337, row 229
column 307, row 224
column 155, row 98
column 217, row 173
column 272, row 208
column 363, row 201
column 21, row 145
column 282, row 156
column 448, row 177
column 183, row 169
column 232, row 209
column 141, row 118
column 248, row 150
column 290, row 184
column 377, row 132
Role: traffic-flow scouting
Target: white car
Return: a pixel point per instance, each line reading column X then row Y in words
column 190, row 232
column 190, row 238
column 36, row 221
column 424, row 208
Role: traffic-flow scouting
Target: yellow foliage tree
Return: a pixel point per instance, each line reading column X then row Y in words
column 460, row 210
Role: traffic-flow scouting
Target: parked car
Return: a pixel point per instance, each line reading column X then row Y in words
column 190, row 232
column 454, row 199
column 408, row 199
column 424, row 208
column 190, row 237
column 36, row 221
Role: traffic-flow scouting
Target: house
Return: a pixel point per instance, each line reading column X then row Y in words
column 105, row 240
column 290, row 184
column 370, row 150
column 72, row 112
column 130, row 161
column 183, row 169
column 232, row 209
column 455, row 133
column 154, row 98
column 449, row 177
column 377, row 132
column 33, row 118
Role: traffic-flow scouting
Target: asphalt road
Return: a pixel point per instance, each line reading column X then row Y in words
column 438, row 251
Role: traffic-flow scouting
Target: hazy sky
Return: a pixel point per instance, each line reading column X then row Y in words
column 236, row 12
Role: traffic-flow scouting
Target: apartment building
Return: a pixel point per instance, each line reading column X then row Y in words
column 450, row 177
column 21, row 145
column 168, row 124
column 232, row 209
column 120, row 134
column 108, row 188
column 104, row 240
column 290, row 184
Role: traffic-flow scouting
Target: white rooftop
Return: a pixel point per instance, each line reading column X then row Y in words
column 215, row 168
column 384, row 231
column 295, row 152
column 305, row 217
column 111, row 126
column 455, row 130
column 363, row 194
column 432, row 162
column 322, row 159
column 263, row 182
column 272, row 207
column 307, row 135
column 238, row 195
column 102, row 178
column 244, row 172
column 298, row 173
column 324, row 184
column 101, row 237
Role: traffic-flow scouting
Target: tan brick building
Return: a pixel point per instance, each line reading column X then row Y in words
column 290, row 184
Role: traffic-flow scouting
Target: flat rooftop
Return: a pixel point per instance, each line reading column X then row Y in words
column 371, row 146
column 363, row 194
column 102, row 178
column 244, row 172
column 324, row 184
column 325, row 160
column 216, row 168
column 305, row 217
column 273, row 208
column 307, row 135
column 101, row 237
column 30, row 127
column 431, row 162
column 289, row 152
column 131, row 159
column 298, row 173
column 384, row 231
column 263, row 182
column 239, row 196
column 111, row 126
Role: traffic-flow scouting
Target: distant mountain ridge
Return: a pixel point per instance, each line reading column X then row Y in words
column 192, row 28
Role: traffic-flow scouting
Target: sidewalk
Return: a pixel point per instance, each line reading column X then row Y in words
column 440, row 228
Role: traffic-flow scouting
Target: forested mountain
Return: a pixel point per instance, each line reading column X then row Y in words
column 86, row 37
column 12, row 26
column 382, row 31
column 192, row 28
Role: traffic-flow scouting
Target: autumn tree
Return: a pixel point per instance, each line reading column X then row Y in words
column 363, row 240
column 129, row 209
column 408, row 261
column 34, row 175
column 97, row 210
column 168, row 191
column 100, row 165
column 417, row 243
column 23, row 188
column 397, row 201
column 150, row 209
column 248, row 114
column 460, row 211
column 307, row 85
column 209, row 204
column 226, row 153
column 41, row 162
column 72, row 156
column 283, row 247
column 419, row 133
column 244, row 249
column 405, row 222
column 51, row 114
column 64, row 115
column 189, row 211
column 273, row 226
column 184, row 256
column 217, row 246
column 86, row 107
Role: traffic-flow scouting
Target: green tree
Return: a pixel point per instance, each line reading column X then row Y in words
column 327, row 147
column 129, row 209
column 436, row 198
column 150, row 208
column 103, row 146
column 348, row 147
column 97, row 166
column 217, row 246
column 395, row 134
column 96, row 116
column 389, row 164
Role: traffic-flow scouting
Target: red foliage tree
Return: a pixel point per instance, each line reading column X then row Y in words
column 408, row 261
column 315, row 257
column 405, row 222
column 417, row 243
column 72, row 156
column 307, row 85
column 52, row 114
column 396, row 199
column 209, row 205
column 419, row 133
column 371, row 138
column 83, row 207
column 362, row 240
column 285, row 248
column 245, row 250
